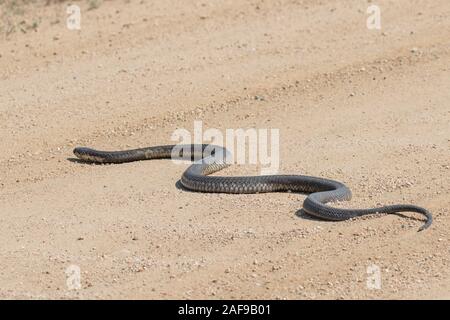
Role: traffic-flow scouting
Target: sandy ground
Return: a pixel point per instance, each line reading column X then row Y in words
column 370, row 108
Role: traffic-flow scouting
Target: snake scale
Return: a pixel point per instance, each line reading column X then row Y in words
column 196, row 178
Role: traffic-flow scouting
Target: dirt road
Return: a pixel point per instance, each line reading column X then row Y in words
column 367, row 107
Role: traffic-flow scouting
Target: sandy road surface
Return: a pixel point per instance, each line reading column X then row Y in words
column 367, row 107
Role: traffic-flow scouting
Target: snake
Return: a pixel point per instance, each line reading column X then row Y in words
column 207, row 159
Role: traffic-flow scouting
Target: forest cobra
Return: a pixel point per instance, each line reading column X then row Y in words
column 209, row 159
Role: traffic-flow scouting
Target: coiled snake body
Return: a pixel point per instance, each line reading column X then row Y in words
column 209, row 159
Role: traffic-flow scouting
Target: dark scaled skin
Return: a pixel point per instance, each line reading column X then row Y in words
column 209, row 159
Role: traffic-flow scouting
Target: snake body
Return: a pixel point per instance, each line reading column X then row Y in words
column 196, row 178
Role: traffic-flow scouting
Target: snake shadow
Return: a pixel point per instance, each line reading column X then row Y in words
column 299, row 213
column 304, row 215
column 80, row 161
column 76, row 160
column 180, row 186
